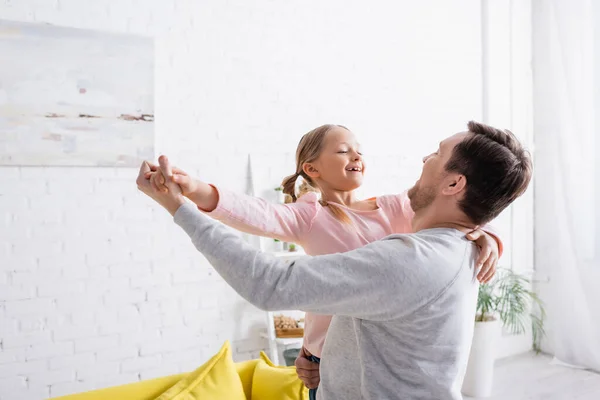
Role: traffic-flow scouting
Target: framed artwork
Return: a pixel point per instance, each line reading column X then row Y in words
column 73, row 97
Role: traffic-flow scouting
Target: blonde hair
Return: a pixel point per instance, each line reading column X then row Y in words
column 309, row 149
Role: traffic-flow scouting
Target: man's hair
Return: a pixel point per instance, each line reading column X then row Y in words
column 497, row 167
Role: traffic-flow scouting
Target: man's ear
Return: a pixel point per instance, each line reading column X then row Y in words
column 454, row 184
column 311, row 170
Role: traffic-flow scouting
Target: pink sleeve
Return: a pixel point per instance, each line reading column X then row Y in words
column 402, row 216
column 256, row 216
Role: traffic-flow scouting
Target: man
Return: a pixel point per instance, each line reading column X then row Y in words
column 403, row 306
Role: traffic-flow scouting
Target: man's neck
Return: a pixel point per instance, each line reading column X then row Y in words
column 429, row 219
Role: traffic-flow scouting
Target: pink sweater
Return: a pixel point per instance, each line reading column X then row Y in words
column 313, row 227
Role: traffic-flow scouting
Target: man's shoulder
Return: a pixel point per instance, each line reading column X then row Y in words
column 433, row 236
column 424, row 265
column 429, row 245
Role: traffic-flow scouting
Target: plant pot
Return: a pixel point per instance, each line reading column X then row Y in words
column 277, row 246
column 479, row 378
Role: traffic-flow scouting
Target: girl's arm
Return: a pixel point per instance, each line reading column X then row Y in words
column 253, row 215
column 285, row 222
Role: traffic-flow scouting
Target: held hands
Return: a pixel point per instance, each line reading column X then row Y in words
column 488, row 255
column 171, row 197
column 157, row 178
column 202, row 194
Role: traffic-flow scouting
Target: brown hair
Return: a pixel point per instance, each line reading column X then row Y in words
column 309, row 149
column 497, row 167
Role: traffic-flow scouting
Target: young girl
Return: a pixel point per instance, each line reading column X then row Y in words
column 329, row 161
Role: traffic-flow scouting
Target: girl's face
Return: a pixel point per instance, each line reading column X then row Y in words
column 340, row 165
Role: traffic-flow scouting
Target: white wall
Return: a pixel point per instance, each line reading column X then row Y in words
column 507, row 103
column 97, row 286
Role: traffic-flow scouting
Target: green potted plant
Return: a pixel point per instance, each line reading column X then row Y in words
column 508, row 301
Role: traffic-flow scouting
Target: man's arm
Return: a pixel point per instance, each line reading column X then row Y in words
column 357, row 283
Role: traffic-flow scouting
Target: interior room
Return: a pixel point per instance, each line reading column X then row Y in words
column 391, row 199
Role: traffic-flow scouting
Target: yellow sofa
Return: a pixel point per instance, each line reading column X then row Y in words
column 151, row 389
column 260, row 380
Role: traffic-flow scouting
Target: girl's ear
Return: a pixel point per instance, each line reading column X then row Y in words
column 311, row 170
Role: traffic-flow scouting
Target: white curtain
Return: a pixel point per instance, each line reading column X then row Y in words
column 566, row 74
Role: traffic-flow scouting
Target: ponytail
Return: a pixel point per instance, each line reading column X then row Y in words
column 306, row 187
column 289, row 186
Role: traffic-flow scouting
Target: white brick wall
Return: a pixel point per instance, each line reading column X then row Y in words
column 97, row 286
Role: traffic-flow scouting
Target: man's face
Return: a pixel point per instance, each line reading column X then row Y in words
column 431, row 182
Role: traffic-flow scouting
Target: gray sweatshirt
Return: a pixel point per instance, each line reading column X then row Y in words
column 403, row 307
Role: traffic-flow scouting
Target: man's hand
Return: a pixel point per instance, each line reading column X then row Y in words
column 205, row 196
column 307, row 371
column 172, row 199
column 488, row 256
column 158, row 181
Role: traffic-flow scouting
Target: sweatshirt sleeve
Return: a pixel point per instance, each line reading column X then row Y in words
column 402, row 216
column 256, row 216
column 343, row 283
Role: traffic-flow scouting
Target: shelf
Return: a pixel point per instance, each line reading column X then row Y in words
column 284, row 341
column 290, row 255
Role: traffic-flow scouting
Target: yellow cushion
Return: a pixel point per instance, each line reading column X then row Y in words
column 275, row 382
column 245, row 370
column 145, row 390
column 215, row 380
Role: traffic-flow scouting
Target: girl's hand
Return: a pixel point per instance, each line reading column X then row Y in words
column 157, row 179
column 202, row 194
column 172, row 199
column 488, row 256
